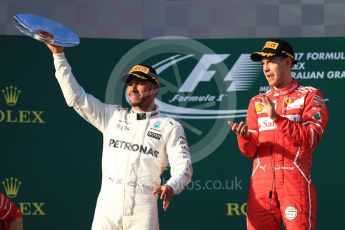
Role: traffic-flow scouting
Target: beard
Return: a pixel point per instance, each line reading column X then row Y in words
column 135, row 104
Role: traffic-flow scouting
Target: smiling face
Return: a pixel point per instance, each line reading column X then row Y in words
column 141, row 93
column 277, row 71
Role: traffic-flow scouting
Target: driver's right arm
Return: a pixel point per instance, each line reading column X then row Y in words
column 89, row 107
column 248, row 144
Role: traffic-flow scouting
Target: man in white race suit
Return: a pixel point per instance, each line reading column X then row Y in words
column 138, row 144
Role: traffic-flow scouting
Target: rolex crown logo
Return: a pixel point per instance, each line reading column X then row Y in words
column 11, row 94
column 11, row 186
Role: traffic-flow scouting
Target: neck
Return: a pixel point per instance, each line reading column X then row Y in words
column 144, row 108
column 285, row 83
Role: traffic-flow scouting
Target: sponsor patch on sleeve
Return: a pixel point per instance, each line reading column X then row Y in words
column 291, row 213
column 317, row 116
column 319, row 100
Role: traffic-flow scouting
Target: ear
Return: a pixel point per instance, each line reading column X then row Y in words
column 289, row 62
column 155, row 89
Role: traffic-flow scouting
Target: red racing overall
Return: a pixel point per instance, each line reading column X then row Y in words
column 281, row 188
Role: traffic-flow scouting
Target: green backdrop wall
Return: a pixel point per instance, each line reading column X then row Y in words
column 50, row 158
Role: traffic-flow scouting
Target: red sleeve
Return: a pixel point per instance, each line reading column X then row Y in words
column 313, row 122
column 8, row 211
column 249, row 145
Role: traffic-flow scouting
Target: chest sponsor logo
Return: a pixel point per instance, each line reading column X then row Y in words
column 133, row 147
column 123, row 125
column 266, row 123
column 293, row 103
column 154, row 135
column 157, row 125
column 288, row 100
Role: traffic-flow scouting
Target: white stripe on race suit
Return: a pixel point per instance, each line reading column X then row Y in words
column 308, row 181
column 310, row 122
column 257, row 165
column 2, row 218
column 312, row 138
column 252, row 131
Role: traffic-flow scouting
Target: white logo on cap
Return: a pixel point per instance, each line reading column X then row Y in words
column 291, row 213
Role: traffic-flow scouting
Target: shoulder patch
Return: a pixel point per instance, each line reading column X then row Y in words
column 259, row 107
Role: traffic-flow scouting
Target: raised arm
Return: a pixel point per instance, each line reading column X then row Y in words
column 89, row 107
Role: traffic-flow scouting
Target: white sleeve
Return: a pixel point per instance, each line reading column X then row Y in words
column 89, row 107
column 179, row 159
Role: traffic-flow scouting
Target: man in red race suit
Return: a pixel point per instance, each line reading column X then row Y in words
column 11, row 218
column 283, row 127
